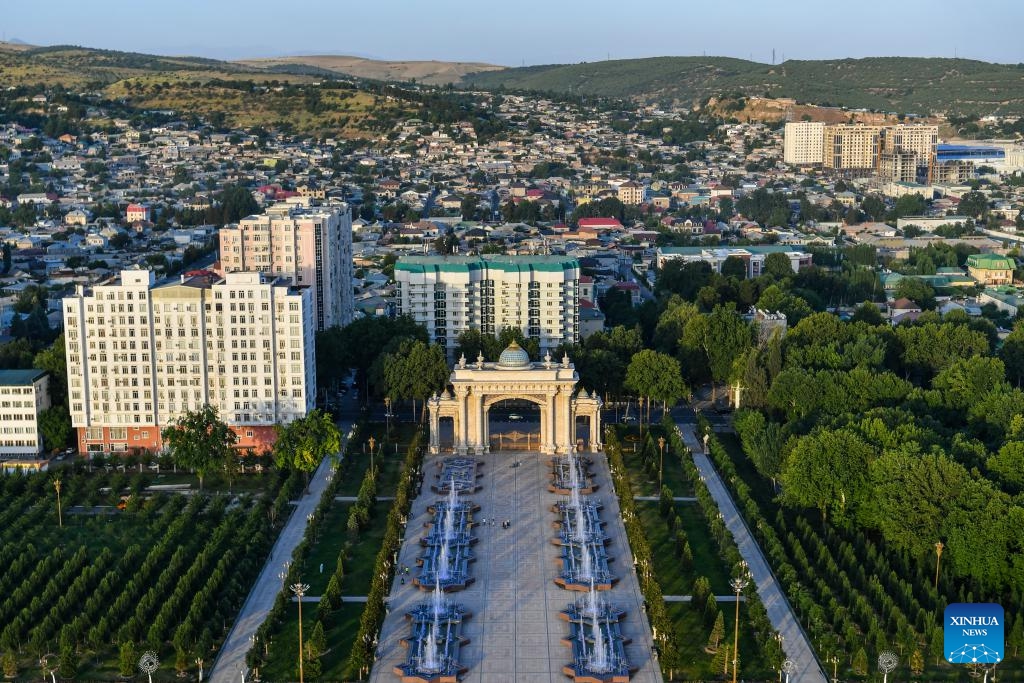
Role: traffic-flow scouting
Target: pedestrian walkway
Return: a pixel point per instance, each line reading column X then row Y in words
column 678, row 499
column 515, row 633
column 352, row 499
column 231, row 659
column 795, row 643
column 689, row 598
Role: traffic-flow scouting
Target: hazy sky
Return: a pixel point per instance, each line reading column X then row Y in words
column 528, row 31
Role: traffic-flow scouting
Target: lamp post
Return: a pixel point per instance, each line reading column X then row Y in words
column 373, row 443
column 661, row 462
column 938, row 558
column 60, row 518
column 387, row 413
column 835, row 668
column 887, row 661
column 738, row 584
column 300, row 590
column 199, row 663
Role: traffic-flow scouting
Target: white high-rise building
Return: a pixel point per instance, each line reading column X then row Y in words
column 141, row 355
column 310, row 246
column 803, row 143
column 451, row 294
column 23, row 395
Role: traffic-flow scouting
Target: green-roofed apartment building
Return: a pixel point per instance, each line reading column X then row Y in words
column 538, row 295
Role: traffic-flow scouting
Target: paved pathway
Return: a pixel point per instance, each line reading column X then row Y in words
column 515, row 631
column 689, row 598
column 352, row 499
column 231, row 659
column 796, row 644
column 678, row 499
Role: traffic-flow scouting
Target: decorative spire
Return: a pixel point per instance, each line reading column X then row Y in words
column 462, row 361
column 565, row 360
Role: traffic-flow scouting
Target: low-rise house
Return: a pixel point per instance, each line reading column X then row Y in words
column 990, row 269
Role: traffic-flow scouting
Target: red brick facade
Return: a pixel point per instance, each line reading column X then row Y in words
column 147, row 437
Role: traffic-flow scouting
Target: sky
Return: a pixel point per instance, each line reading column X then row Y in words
column 528, row 31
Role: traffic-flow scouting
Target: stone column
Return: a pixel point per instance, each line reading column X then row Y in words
column 568, row 424
column 595, row 428
column 485, row 434
column 435, row 429
column 549, row 427
column 461, row 428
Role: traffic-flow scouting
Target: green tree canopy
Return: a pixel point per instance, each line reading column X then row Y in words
column 304, row 442
column 827, row 470
column 199, row 440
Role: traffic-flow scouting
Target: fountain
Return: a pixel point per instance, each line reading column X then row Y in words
column 600, row 661
column 443, row 572
column 585, row 569
column 431, row 660
column 449, row 513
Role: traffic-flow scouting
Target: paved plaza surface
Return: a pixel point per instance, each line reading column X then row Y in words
column 515, row 632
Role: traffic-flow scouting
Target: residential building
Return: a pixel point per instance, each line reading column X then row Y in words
column 141, row 355
column 538, row 295
column 907, row 152
column 310, row 247
column 803, row 143
column 136, row 212
column 851, row 147
column 753, row 257
column 631, row 192
column 990, row 269
column 23, row 395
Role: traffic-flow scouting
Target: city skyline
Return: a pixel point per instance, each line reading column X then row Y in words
column 536, row 34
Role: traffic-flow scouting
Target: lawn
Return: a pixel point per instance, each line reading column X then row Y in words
column 692, row 637
column 644, row 484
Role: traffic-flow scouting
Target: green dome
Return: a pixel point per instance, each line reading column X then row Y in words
column 514, row 356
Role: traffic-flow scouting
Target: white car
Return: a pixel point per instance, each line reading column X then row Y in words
column 515, row 417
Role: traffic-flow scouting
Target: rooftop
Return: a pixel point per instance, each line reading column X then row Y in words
column 20, row 378
column 422, row 264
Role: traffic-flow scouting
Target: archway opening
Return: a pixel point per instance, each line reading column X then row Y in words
column 514, row 425
column 446, row 434
column 583, row 442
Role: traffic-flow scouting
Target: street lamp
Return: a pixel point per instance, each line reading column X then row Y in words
column 199, row 662
column 373, row 443
column 661, row 462
column 887, row 661
column 938, row 557
column 835, row 668
column 60, row 518
column 387, row 413
column 738, row 584
column 300, row 590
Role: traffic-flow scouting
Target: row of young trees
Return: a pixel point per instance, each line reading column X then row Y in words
column 185, row 573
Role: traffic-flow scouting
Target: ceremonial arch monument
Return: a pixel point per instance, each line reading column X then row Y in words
column 477, row 387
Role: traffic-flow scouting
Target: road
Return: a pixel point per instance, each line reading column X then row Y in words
column 795, row 644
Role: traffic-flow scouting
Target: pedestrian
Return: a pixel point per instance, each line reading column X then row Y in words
column 403, row 580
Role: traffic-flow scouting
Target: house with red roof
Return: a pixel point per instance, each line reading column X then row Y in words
column 137, row 212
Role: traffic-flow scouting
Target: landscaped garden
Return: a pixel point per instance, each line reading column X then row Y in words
column 682, row 548
column 352, row 536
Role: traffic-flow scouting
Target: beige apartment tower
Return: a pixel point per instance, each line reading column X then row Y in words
column 310, row 247
column 851, row 147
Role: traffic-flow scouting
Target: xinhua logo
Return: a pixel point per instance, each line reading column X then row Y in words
column 973, row 633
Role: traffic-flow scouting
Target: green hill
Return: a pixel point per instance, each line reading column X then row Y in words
column 901, row 84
